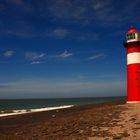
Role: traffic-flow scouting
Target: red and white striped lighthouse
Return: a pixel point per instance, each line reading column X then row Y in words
column 132, row 44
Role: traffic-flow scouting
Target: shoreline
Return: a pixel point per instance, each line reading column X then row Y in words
column 105, row 121
column 4, row 113
column 26, row 111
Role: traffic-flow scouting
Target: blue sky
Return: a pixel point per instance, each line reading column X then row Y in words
column 64, row 48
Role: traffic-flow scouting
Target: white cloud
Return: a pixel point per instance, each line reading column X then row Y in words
column 34, row 56
column 35, row 62
column 97, row 56
column 8, row 53
column 65, row 54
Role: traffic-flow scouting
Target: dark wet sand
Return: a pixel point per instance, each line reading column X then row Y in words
column 77, row 123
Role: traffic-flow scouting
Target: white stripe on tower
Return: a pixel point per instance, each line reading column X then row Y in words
column 133, row 58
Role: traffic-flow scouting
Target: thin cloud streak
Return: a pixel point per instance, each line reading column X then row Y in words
column 36, row 62
column 34, row 56
column 63, row 55
column 97, row 56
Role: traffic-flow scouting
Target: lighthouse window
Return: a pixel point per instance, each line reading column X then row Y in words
column 130, row 36
column 133, row 36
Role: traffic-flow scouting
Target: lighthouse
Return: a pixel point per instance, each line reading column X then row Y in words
column 132, row 44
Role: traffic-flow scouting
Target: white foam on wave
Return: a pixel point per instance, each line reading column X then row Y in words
column 23, row 111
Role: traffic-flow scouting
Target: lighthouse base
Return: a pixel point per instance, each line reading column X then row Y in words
column 132, row 102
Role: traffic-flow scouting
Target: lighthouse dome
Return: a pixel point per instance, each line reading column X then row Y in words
column 132, row 30
column 132, row 35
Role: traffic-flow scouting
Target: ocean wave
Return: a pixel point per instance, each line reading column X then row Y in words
column 24, row 111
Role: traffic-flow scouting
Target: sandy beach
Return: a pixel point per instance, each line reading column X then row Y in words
column 108, row 121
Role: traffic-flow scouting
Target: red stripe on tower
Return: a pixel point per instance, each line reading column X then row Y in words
column 132, row 45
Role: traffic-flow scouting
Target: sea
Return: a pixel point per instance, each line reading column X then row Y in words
column 21, row 106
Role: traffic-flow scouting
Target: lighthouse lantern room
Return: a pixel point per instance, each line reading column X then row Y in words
column 132, row 44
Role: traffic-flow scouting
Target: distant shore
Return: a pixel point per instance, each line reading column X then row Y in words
column 99, row 121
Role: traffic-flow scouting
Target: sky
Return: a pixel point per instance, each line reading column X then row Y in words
column 64, row 48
